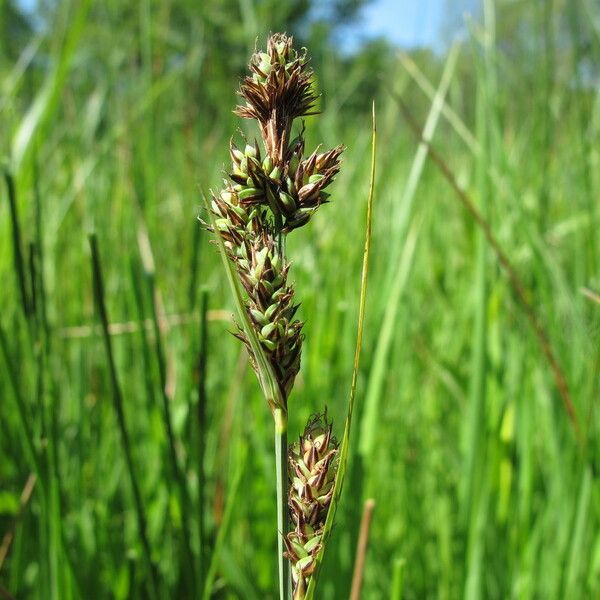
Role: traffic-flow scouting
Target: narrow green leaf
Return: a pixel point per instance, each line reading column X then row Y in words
column 18, row 259
column 119, row 407
column 339, row 480
column 232, row 498
column 46, row 102
column 266, row 375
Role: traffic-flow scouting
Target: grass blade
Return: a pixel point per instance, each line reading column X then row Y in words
column 23, row 503
column 516, row 283
column 23, row 413
column 343, row 461
column 368, row 423
column 429, row 90
column 120, row 412
column 398, row 579
column 18, row 259
column 399, row 274
column 201, row 427
column 575, row 565
column 231, row 501
column 416, row 171
column 267, row 378
column 182, row 493
column 47, row 100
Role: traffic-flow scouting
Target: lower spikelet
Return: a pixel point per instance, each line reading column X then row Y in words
column 313, row 465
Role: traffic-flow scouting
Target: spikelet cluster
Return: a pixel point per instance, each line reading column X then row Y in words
column 312, row 471
column 270, row 193
column 248, row 237
column 278, row 91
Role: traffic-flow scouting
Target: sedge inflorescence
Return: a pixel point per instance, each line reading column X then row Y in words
column 270, row 193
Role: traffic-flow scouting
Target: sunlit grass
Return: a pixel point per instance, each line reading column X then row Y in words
column 481, row 488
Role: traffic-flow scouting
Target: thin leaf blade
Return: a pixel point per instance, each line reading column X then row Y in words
column 344, row 445
column 266, row 375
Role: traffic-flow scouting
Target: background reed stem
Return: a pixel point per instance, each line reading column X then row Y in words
column 153, row 585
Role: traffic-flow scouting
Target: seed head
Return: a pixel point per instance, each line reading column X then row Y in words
column 278, row 90
column 263, row 272
column 268, row 194
column 313, row 465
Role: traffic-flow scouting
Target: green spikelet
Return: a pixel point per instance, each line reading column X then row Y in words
column 263, row 271
column 312, row 469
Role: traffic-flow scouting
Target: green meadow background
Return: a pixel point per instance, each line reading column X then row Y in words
column 136, row 461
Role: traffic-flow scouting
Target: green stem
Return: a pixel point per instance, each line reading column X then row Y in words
column 282, row 512
column 119, row 404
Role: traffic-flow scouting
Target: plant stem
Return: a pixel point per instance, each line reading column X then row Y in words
column 201, row 427
column 282, row 516
column 118, row 403
column 19, row 262
column 361, row 549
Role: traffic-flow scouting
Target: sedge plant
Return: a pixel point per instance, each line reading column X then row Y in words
column 271, row 191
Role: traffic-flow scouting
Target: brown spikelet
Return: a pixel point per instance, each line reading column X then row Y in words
column 269, row 195
column 312, row 471
column 263, row 273
column 278, row 91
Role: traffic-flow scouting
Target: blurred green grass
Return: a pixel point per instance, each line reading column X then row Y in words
column 113, row 117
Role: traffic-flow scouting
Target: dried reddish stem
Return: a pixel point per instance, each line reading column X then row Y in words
column 516, row 284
